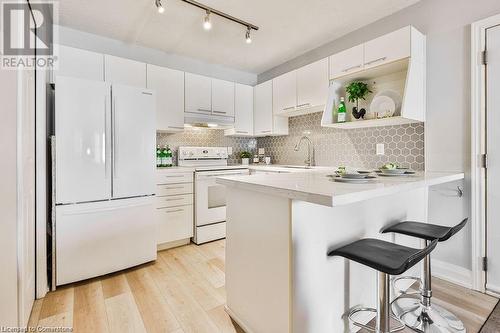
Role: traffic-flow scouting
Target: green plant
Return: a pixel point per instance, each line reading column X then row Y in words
column 357, row 90
column 245, row 154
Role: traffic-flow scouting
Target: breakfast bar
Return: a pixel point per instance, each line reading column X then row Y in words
column 280, row 228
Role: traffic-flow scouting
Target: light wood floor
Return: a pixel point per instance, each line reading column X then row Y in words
column 183, row 291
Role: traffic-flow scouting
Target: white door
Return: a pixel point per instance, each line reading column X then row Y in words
column 285, row 92
column 222, row 98
column 493, row 151
column 243, row 104
column 390, row 47
column 347, row 61
column 134, row 141
column 198, row 90
column 124, row 71
column 312, row 84
column 79, row 63
column 168, row 85
column 263, row 108
column 82, row 120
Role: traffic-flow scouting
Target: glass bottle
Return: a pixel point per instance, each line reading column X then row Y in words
column 158, row 156
column 341, row 111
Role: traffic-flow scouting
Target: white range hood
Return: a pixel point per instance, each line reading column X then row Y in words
column 196, row 119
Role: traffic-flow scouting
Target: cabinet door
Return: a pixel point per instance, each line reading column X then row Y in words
column 243, row 103
column 285, row 92
column 125, row 71
column 347, row 61
column 80, row 64
column 174, row 223
column 263, row 109
column 312, row 84
column 388, row 48
column 222, row 98
column 198, row 90
column 169, row 87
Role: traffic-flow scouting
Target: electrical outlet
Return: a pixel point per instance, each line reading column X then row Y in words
column 229, row 150
column 380, row 149
column 262, row 151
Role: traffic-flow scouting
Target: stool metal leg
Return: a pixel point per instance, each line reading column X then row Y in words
column 421, row 314
column 383, row 313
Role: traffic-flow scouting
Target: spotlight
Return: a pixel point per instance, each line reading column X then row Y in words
column 207, row 25
column 248, row 39
column 160, row 7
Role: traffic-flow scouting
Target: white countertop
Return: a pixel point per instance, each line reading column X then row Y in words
column 314, row 186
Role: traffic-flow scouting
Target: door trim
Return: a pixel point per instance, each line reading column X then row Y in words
column 478, row 147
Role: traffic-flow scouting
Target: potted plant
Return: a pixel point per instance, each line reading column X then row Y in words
column 245, row 157
column 357, row 90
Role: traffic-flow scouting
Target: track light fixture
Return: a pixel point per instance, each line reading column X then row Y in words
column 248, row 39
column 159, row 6
column 207, row 25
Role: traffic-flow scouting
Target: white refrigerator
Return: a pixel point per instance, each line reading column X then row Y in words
column 105, row 137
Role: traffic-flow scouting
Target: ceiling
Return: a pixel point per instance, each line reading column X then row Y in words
column 288, row 28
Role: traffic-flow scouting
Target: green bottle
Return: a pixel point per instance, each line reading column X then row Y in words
column 158, row 156
column 163, row 157
column 341, row 111
column 168, row 157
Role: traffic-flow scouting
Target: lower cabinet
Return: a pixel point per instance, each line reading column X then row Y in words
column 174, row 208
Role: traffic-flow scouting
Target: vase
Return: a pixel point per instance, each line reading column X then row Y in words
column 245, row 161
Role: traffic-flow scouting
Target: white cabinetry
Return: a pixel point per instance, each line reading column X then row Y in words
column 79, row 63
column 243, row 108
column 222, row 98
column 198, row 93
column 387, row 48
column 312, row 84
column 174, row 208
column 265, row 123
column 124, row 71
column 347, row 61
column 169, row 87
column 285, row 92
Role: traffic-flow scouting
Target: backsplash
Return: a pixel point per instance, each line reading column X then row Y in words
column 404, row 144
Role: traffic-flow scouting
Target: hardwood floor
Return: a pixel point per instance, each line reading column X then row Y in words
column 182, row 292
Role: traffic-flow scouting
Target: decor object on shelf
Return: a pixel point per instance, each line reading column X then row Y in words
column 245, row 157
column 357, row 90
column 386, row 104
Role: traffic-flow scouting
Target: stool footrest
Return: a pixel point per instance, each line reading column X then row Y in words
column 405, row 292
column 370, row 328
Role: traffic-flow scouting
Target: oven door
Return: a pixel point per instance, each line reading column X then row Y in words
column 210, row 197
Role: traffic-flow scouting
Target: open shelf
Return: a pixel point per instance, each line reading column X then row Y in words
column 391, row 121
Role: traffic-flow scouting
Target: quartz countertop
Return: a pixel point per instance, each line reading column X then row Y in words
column 316, row 187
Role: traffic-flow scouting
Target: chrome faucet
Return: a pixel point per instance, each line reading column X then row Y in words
column 310, row 150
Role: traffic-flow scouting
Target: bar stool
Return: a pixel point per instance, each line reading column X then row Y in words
column 388, row 259
column 419, row 313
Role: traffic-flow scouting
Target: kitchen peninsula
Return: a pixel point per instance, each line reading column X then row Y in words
column 279, row 229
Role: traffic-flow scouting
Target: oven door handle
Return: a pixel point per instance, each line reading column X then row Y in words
column 222, row 175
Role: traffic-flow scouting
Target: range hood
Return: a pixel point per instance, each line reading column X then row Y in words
column 196, row 119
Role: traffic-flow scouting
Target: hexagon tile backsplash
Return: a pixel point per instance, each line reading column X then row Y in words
column 404, row 144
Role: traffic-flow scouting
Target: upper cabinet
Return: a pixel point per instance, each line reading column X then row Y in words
column 169, row 87
column 387, row 48
column 243, row 111
column 222, row 98
column 301, row 91
column 265, row 122
column 347, row 61
column 124, row 71
column 79, row 63
column 198, row 93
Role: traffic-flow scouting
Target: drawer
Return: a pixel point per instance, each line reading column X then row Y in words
column 174, row 189
column 174, row 200
column 173, row 177
column 174, row 223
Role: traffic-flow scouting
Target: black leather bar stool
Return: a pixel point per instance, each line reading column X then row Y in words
column 419, row 313
column 388, row 259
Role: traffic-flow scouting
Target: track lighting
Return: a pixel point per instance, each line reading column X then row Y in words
column 207, row 25
column 248, row 39
column 160, row 7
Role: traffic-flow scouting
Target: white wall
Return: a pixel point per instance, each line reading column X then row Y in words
column 92, row 42
column 8, row 199
column 447, row 26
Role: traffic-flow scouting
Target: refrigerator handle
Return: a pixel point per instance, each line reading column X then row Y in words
column 106, row 138
column 113, row 136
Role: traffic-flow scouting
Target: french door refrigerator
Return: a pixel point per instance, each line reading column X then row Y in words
column 104, row 178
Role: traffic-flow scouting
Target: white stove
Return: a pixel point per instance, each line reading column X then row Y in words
column 210, row 197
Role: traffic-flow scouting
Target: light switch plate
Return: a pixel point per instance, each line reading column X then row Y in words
column 229, row 150
column 262, row 151
column 380, row 149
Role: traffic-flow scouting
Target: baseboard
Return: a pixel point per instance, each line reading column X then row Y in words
column 169, row 245
column 452, row 273
column 237, row 320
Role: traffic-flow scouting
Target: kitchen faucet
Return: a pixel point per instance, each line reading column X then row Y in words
column 310, row 150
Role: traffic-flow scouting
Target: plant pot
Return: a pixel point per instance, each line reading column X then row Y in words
column 245, row 161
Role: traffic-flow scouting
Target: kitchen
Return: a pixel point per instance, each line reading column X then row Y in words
column 289, row 160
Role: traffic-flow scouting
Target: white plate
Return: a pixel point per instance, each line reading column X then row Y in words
column 354, row 181
column 396, row 174
column 393, row 171
column 386, row 103
column 352, row 176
